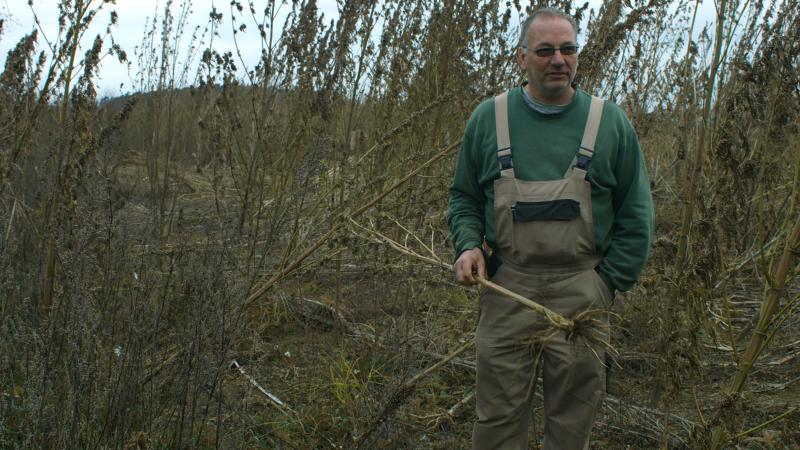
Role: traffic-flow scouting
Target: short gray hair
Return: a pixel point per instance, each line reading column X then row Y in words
column 544, row 12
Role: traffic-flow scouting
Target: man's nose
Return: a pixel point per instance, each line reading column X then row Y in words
column 557, row 59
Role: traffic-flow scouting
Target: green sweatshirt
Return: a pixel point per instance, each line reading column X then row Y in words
column 543, row 147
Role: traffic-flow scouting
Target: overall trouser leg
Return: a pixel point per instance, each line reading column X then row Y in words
column 510, row 344
column 573, row 378
column 506, row 371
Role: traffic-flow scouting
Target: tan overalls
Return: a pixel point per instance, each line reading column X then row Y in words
column 545, row 240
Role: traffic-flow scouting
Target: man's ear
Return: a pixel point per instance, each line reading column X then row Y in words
column 521, row 58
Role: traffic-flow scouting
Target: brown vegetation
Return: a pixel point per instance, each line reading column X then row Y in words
column 218, row 266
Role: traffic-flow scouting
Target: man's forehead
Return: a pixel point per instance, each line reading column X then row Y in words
column 552, row 25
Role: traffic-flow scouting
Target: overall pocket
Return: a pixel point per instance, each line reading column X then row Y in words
column 546, row 231
column 566, row 209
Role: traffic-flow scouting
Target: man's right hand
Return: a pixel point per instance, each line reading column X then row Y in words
column 469, row 263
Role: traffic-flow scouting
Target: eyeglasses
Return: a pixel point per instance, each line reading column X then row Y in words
column 546, row 52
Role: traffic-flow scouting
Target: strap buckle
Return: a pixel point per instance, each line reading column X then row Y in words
column 506, row 162
column 504, row 156
column 583, row 157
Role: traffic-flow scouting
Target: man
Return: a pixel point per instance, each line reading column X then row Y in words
column 553, row 183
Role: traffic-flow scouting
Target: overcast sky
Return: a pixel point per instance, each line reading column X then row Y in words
column 116, row 78
column 134, row 16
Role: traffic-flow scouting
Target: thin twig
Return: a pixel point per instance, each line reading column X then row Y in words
column 758, row 427
column 697, row 406
column 732, row 269
column 416, row 378
column 408, row 121
column 340, row 223
column 10, row 221
column 557, row 320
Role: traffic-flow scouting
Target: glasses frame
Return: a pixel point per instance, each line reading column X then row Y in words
column 549, row 52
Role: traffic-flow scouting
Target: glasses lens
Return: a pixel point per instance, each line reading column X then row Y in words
column 545, row 51
column 568, row 50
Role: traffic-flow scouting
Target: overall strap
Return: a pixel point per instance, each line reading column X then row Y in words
column 585, row 152
column 503, row 136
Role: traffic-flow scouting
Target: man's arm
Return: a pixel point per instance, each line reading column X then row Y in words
column 633, row 223
column 465, row 214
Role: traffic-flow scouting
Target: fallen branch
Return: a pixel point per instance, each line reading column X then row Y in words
column 399, row 397
column 648, row 419
column 455, row 409
column 772, row 387
column 326, row 317
column 275, row 400
column 732, row 269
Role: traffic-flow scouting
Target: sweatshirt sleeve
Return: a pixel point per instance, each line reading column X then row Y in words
column 465, row 214
column 632, row 229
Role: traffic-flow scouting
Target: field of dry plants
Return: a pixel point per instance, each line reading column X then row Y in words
column 232, row 257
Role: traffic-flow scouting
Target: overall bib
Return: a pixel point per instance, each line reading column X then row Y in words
column 545, row 241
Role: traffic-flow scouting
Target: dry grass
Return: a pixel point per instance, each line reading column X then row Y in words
column 148, row 242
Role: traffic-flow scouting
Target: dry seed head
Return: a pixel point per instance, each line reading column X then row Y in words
column 17, row 64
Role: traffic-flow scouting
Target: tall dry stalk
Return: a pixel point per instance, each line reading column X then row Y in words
column 78, row 14
column 769, row 315
column 694, row 177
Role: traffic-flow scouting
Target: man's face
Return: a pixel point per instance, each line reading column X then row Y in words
column 549, row 77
